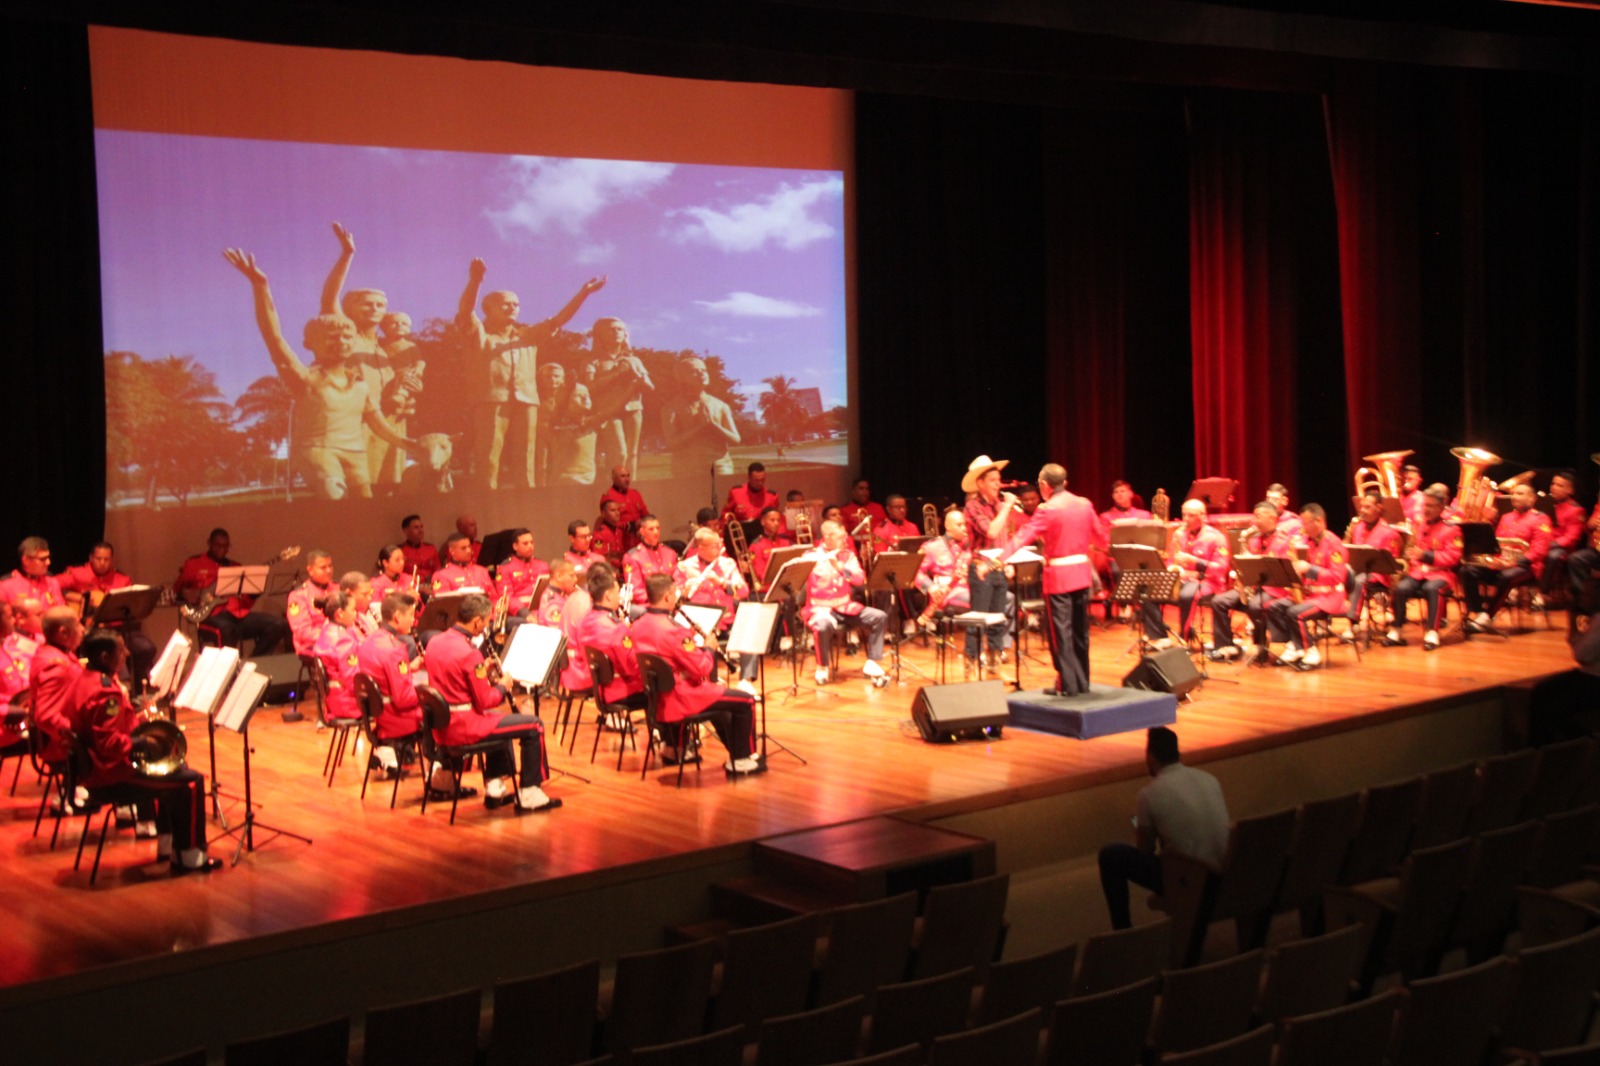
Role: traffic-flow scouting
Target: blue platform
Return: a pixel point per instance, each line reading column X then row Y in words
column 1100, row 712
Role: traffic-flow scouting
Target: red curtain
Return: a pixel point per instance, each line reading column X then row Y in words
column 1242, row 293
column 1372, row 139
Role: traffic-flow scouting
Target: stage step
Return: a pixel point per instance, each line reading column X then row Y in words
column 851, row 863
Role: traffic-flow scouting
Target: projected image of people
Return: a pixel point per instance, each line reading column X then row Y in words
column 712, row 330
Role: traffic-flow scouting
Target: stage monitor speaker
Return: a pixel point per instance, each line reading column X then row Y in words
column 282, row 672
column 1165, row 671
column 952, row 712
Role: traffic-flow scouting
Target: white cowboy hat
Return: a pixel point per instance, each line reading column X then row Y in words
column 979, row 467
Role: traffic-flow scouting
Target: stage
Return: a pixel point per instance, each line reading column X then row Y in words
column 376, row 868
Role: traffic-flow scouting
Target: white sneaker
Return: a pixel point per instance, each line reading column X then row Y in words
column 1430, row 640
column 533, row 798
column 386, row 757
column 748, row 765
column 497, row 788
column 1483, row 619
column 1292, row 654
column 746, row 686
column 1312, row 657
column 822, row 675
column 872, row 669
column 146, row 831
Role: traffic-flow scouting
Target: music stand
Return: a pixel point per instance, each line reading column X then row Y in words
column 912, row 544
column 1217, row 492
column 442, row 611
column 893, row 571
column 1143, row 578
column 532, row 659
column 496, row 548
column 1477, row 538
column 787, row 586
column 780, row 558
column 126, row 606
column 1366, row 559
column 754, row 622
column 235, row 712
column 201, row 690
column 1259, row 572
column 1027, row 568
column 169, row 668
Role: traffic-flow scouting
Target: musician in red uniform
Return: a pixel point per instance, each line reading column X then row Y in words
column 862, row 505
column 1288, row 520
column 335, row 648
column 51, row 675
column 422, row 558
column 610, row 538
column 1568, row 535
column 1525, row 523
column 31, row 579
column 390, row 661
column 89, row 583
column 730, row 711
column 772, row 538
column 1411, row 498
column 563, row 580
column 706, row 576
column 394, row 574
column 1122, row 507
column 1200, row 558
column 886, row 536
column 467, row 526
column 461, row 572
column 942, row 575
column 357, row 588
column 1268, row 539
column 647, row 559
column 456, row 669
column 102, row 716
column 1371, row 530
column 1065, row 527
column 830, row 603
column 519, row 573
column 747, row 501
column 629, row 502
column 989, row 514
column 1322, row 572
column 580, row 553
column 606, row 633
column 233, row 619
column 304, row 611
column 16, row 655
column 1431, row 560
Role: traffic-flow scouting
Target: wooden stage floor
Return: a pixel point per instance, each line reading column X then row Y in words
column 864, row 758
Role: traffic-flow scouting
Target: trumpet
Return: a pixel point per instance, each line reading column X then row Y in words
column 802, row 527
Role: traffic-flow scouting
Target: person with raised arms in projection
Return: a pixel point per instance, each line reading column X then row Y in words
column 334, row 402
column 698, row 426
column 509, row 351
column 387, row 374
column 617, row 380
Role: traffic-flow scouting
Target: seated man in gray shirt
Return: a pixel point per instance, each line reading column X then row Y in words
column 1182, row 810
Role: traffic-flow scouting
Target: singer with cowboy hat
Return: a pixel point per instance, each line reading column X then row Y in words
column 988, row 512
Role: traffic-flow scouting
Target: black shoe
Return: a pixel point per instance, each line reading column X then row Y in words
column 439, row 795
column 494, row 803
column 1393, row 642
column 687, row 760
column 555, row 801
column 180, row 870
column 373, row 763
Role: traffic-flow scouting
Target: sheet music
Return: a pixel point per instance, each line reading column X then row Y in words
column 706, row 617
column 752, row 628
column 169, row 666
column 242, row 697
column 533, row 649
column 204, row 687
column 1026, row 555
column 982, row 618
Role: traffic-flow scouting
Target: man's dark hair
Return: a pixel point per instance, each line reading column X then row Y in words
column 455, row 538
column 768, row 510
column 1161, row 744
column 600, row 582
column 215, row 533
column 98, row 645
column 575, row 525
column 475, row 606
column 656, row 586
column 408, row 519
column 1315, row 511
column 756, row 468
column 395, row 602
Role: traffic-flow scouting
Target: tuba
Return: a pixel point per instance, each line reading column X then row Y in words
column 166, row 750
column 1474, row 492
column 1383, row 475
column 1161, row 505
